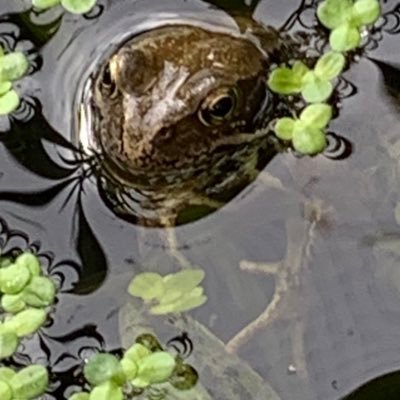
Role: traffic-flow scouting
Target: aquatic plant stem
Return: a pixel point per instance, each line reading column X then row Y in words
column 287, row 272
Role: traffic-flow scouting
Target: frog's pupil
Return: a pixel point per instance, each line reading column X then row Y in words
column 222, row 107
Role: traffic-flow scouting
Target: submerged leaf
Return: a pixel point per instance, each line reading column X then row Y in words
column 147, row 285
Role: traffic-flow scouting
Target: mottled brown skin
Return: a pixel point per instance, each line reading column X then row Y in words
column 160, row 121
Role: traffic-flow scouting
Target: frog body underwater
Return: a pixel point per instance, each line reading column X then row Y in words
column 178, row 108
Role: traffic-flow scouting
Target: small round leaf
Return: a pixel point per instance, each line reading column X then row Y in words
column 30, row 261
column 8, row 343
column 284, row 81
column 102, row 368
column 333, row 13
column 5, row 391
column 315, row 89
column 14, row 278
column 12, row 303
column 147, row 285
column 330, row 65
column 13, row 66
column 137, row 353
column 345, row 38
column 107, row 391
column 317, row 115
column 45, row 4
column 78, row 6
column 129, row 367
column 183, row 281
column 9, row 102
column 284, row 128
column 309, row 141
column 30, row 382
column 365, row 12
column 80, row 396
column 26, row 322
column 40, row 292
column 5, row 87
column 157, row 367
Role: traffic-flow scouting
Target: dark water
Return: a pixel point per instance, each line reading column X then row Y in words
column 331, row 224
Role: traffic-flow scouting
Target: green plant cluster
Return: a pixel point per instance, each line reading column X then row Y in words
column 13, row 66
column 144, row 364
column 73, row 6
column 26, row 384
column 25, row 295
column 172, row 293
column 346, row 18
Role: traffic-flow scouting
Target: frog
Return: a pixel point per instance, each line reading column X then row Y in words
column 181, row 115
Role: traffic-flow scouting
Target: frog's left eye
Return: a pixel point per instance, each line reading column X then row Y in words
column 218, row 107
column 107, row 82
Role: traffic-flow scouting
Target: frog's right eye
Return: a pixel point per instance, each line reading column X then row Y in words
column 107, row 82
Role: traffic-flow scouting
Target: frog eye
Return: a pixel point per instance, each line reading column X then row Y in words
column 107, row 82
column 218, row 107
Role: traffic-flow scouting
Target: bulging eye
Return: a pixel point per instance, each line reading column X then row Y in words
column 107, row 82
column 218, row 107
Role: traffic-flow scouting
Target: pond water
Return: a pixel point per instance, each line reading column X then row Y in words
column 302, row 267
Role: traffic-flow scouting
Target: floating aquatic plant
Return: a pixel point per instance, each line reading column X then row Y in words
column 307, row 131
column 314, row 85
column 25, row 294
column 346, row 19
column 73, row 6
column 172, row 293
column 26, row 384
column 144, row 364
column 13, row 66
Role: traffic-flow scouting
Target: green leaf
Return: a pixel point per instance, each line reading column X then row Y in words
column 345, row 38
column 317, row 115
column 186, row 302
column 185, row 377
column 149, row 341
column 309, row 141
column 9, row 102
column 103, row 367
column 365, row 12
column 40, row 292
column 333, row 13
column 284, row 128
column 14, row 278
column 6, row 373
column 45, row 4
column 147, row 285
column 8, row 342
column 330, row 65
column 315, row 89
column 299, row 69
column 26, row 322
column 80, row 396
column 137, row 353
column 78, row 6
column 12, row 303
column 30, row 382
column 5, row 87
column 183, row 281
column 1, row 51
column 284, row 81
column 156, row 368
column 30, row 261
column 13, row 66
column 5, row 391
column 129, row 367
column 107, row 391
